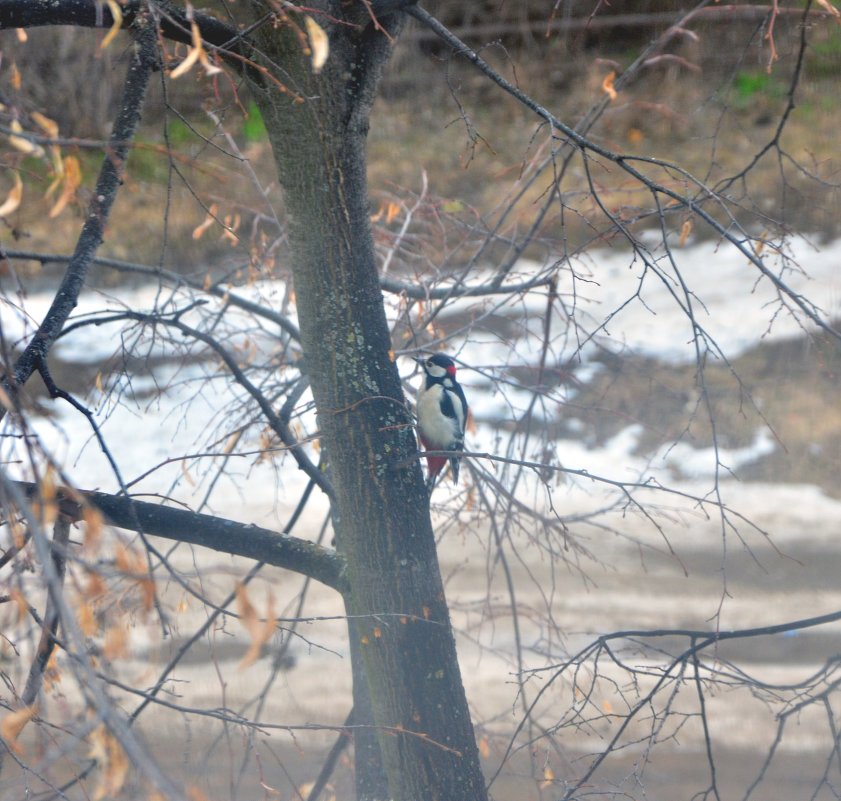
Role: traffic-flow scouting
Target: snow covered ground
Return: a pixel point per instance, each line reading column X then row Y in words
column 714, row 577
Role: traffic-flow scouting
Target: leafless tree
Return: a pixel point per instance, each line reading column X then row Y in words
column 278, row 375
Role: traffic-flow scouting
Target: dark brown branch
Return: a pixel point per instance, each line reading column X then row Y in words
column 96, row 14
column 49, row 626
column 216, row 533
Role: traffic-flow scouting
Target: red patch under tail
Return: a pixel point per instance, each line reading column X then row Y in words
column 435, row 464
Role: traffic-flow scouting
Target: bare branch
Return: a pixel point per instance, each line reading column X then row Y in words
column 219, row 534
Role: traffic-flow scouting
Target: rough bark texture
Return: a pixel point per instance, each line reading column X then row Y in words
column 380, row 512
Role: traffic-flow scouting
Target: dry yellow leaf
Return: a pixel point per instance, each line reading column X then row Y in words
column 14, row 723
column 607, row 85
column 319, row 44
column 484, row 748
column 199, row 230
column 117, row 14
column 116, row 643
column 94, row 523
column 685, row 231
column 548, row 778
column 21, row 34
column 186, row 65
column 123, row 559
column 95, row 588
column 112, row 761
column 634, row 136
column 392, row 210
column 21, row 143
column 197, row 52
column 15, row 76
column 71, row 180
column 12, row 201
column 52, row 675
column 20, row 603
column 258, row 630
column 186, row 473
column 87, row 619
column 48, row 126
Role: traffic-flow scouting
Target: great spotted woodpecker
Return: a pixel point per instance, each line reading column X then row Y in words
column 442, row 413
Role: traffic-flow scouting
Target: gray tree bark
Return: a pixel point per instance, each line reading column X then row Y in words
column 318, row 128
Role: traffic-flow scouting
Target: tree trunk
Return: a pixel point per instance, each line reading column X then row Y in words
column 318, row 129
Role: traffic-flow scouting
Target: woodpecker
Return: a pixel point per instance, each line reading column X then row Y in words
column 442, row 413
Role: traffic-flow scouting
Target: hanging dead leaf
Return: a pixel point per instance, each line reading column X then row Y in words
column 21, row 143
column 48, row 126
column 319, row 44
column 197, row 52
column 13, row 199
column 199, row 230
column 14, row 77
column 20, row 604
column 607, row 85
column 392, row 210
column 18, row 532
column 548, row 778
column 117, row 15
column 87, row 619
column 52, row 674
column 71, row 180
column 112, row 761
column 94, row 523
column 123, row 559
column 46, row 507
column 186, row 473
column 116, row 643
column 685, row 231
column 634, row 136
column 147, row 592
column 232, row 442
column 258, row 630
column 21, row 34
column 484, row 748
column 186, row 65
column 95, row 588
column 13, row 724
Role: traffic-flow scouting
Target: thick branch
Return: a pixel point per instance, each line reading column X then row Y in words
column 216, row 533
column 96, row 14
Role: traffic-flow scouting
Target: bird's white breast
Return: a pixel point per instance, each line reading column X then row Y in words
column 437, row 429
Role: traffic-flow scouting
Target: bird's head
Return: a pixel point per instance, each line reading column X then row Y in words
column 437, row 366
